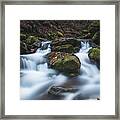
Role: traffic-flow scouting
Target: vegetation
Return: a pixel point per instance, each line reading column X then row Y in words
column 94, row 55
column 65, row 62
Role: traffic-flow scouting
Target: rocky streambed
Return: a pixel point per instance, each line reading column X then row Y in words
column 64, row 69
column 59, row 59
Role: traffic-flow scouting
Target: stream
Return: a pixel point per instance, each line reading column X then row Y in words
column 36, row 78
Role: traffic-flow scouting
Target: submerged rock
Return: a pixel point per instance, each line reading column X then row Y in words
column 94, row 55
column 57, row 90
column 67, row 63
column 81, row 97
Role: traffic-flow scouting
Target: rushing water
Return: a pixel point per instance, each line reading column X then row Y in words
column 36, row 78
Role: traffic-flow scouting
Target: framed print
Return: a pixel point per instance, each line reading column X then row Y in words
column 60, row 59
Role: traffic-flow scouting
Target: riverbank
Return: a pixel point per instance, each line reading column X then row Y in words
column 33, row 32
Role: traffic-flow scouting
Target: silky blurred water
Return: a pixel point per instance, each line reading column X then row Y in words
column 36, row 77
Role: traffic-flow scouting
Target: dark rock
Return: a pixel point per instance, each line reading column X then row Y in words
column 93, row 45
column 42, row 39
column 96, row 38
column 57, row 90
column 67, row 63
column 81, row 97
column 90, row 31
column 94, row 27
column 23, row 37
column 29, row 45
column 31, row 39
column 98, row 98
column 86, row 36
column 68, row 48
column 23, row 48
column 47, row 28
column 62, row 41
column 36, row 44
column 45, row 46
column 66, row 45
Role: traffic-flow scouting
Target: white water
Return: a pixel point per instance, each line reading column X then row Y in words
column 36, row 78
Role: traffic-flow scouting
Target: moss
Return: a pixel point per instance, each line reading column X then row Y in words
column 85, row 31
column 68, row 48
column 68, row 45
column 96, row 38
column 59, row 34
column 58, row 64
column 95, row 23
column 71, row 59
column 31, row 39
column 94, row 27
column 94, row 55
column 64, row 62
column 23, row 37
column 52, row 35
column 76, row 49
column 23, row 48
column 85, row 34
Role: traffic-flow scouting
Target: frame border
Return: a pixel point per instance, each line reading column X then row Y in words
column 2, row 57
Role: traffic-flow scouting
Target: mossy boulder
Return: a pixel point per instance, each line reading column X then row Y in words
column 69, row 45
column 23, row 48
column 51, row 35
column 85, row 34
column 58, row 90
column 31, row 39
column 94, row 55
column 96, row 38
column 68, row 48
column 23, row 37
column 29, row 44
column 66, row 63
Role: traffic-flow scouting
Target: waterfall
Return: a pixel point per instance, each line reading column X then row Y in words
column 27, row 64
column 36, row 77
column 85, row 46
column 89, row 74
column 45, row 47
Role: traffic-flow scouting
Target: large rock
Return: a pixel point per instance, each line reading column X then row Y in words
column 85, row 34
column 96, row 38
column 68, row 48
column 94, row 55
column 58, row 90
column 31, row 39
column 68, row 45
column 29, row 44
column 67, row 63
column 23, row 37
column 23, row 48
